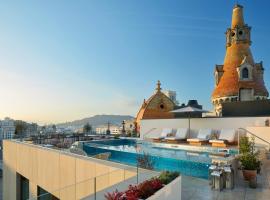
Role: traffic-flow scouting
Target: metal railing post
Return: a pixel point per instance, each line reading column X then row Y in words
column 95, row 188
column 137, row 173
column 238, row 142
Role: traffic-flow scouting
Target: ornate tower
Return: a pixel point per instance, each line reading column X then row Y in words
column 239, row 78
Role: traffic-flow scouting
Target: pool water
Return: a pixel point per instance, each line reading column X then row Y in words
column 126, row 151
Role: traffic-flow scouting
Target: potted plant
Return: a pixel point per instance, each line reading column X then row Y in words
column 244, row 145
column 249, row 163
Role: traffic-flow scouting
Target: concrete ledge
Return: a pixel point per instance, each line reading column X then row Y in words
column 172, row 191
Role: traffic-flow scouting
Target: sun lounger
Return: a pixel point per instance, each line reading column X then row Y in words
column 227, row 136
column 202, row 137
column 165, row 132
column 180, row 135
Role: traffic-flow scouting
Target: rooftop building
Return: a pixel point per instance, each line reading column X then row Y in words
column 114, row 129
column 172, row 95
column 7, row 128
column 240, row 78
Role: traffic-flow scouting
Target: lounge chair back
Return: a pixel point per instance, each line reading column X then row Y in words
column 227, row 134
column 165, row 132
column 181, row 133
column 204, row 133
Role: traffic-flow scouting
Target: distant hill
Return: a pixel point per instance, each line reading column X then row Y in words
column 97, row 120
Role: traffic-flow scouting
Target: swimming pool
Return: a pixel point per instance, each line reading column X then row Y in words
column 126, row 151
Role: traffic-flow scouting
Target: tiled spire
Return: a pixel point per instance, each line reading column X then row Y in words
column 229, row 79
column 237, row 16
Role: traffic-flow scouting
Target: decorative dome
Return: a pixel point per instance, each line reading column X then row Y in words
column 158, row 106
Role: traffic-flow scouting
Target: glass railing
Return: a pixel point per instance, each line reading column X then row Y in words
column 97, row 187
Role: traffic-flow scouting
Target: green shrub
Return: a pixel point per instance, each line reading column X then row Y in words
column 134, row 134
column 116, row 137
column 249, row 161
column 166, row 176
column 244, row 145
column 249, row 156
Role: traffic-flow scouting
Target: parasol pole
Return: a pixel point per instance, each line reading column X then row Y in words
column 188, row 125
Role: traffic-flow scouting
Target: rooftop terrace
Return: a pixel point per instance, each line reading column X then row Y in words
column 194, row 188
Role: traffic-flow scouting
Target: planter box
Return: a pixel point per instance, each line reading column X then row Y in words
column 172, row 191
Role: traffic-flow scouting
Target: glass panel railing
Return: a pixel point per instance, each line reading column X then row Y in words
column 130, row 178
column 95, row 188
column 153, row 150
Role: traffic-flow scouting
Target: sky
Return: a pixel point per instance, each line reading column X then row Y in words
column 65, row 60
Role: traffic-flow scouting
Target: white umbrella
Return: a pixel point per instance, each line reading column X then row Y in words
column 189, row 110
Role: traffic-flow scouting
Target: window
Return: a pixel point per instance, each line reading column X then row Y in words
column 161, row 106
column 245, row 74
column 44, row 195
column 23, row 187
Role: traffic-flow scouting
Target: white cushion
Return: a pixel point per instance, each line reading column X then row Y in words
column 181, row 133
column 165, row 132
column 157, row 137
column 174, row 138
column 204, row 133
column 227, row 134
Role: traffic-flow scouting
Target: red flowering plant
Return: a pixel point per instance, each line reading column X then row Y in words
column 144, row 189
column 115, row 195
column 156, row 184
column 132, row 193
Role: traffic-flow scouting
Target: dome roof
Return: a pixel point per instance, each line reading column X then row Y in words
column 158, row 106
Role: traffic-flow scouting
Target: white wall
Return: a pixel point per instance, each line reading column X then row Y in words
column 262, row 132
column 154, row 126
column 172, row 191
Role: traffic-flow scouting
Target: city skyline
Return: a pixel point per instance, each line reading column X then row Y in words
column 66, row 61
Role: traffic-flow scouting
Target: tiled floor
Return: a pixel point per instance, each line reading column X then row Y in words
column 199, row 189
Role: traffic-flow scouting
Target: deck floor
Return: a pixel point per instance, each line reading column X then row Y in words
column 195, row 188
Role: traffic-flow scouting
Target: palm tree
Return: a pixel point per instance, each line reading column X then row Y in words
column 20, row 128
column 54, row 128
column 87, row 128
